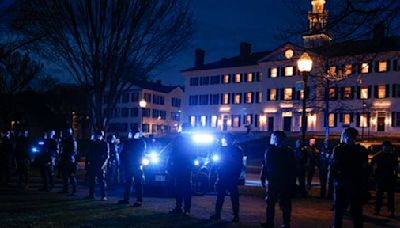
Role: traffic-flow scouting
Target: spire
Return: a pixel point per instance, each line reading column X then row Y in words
column 317, row 35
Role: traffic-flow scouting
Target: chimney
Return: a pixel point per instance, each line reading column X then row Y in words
column 378, row 33
column 199, row 57
column 245, row 49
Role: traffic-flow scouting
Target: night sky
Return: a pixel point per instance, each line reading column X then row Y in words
column 220, row 25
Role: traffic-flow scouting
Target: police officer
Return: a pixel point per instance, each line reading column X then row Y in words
column 68, row 163
column 325, row 159
column 23, row 158
column 180, row 164
column 312, row 162
column 6, row 155
column 113, row 161
column 131, row 161
column 385, row 165
column 48, row 156
column 97, row 163
column 301, row 155
column 350, row 173
column 228, row 170
column 279, row 169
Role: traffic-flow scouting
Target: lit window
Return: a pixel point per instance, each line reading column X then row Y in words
column 288, row 71
column 382, row 66
column 364, row 93
column 260, row 97
column 273, row 94
column 381, row 91
column 331, row 120
column 346, row 118
column 238, row 98
column 363, row 120
column 249, row 77
column 248, row 98
column 248, row 119
column 214, row 121
column 332, row 93
column 236, row 121
column 347, row 93
column 237, row 78
column 289, row 54
column 192, row 121
column 348, row 69
column 274, row 72
column 226, row 98
column 203, row 121
column 364, row 68
column 226, row 78
column 332, row 70
column 302, row 94
column 288, row 94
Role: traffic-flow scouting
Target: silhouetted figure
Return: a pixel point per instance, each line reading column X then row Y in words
column 22, row 156
column 6, row 151
column 181, row 161
column 68, row 162
column 228, row 171
column 324, row 163
column 97, row 164
column 350, row 172
column 312, row 162
column 385, row 165
column 113, row 163
column 279, row 169
column 301, row 155
column 131, row 160
column 48, row 157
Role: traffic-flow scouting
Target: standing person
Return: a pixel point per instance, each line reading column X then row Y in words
column 113, row 161
column 97, row 163
column 325, row 159
column 131, row 161
column 301, row 155
column 350, row 173
column 47, row 161
column 68, row 163
column 228, row 171
column 23, row 158
column 313, row 154
column 180, row 166
column 385, row 165
column 6, row 156
column 279, row 169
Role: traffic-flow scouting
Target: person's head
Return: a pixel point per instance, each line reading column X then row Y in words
column 25, row 133
column 45, row 136
column 52, row 134
column 299, row 144
column 349, row 135
column 312, row 142
column 99, row 135
column 277, row 138
column 227, row 140
column 387, row 146
column 68, row 132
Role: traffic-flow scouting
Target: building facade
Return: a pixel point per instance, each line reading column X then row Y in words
column 161, row 113
column 355, row 83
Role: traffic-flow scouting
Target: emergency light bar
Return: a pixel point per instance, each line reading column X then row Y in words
column 202, row 138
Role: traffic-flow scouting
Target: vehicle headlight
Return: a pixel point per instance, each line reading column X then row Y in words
column 35, row 150
column 196, row 162
column 202, row 138
column 154, row 157
column 215, row 158
column 145, row 161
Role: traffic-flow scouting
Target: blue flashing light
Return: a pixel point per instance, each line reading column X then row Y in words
column 202, row 138
column 145, row 161
column 154, row 157
column 215, row 158
column 41, row 143
column 196, row 162
column 35, row 150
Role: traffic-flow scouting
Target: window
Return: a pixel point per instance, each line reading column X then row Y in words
column 395, row 119
column 346, row 118
column 332, row 93
column 364, row 93
column 163, row 115
column 214, row 80
column 250, row 77
column 236, row 121
column 348, row 69
column 159, row 100
column 147, row 97
column 274, row 72
column 192, row 121
column 176, row 102
column 289, row 54
column 203, row 100
column 214, row 99
column 156, row 114
column 331, row 120
column 124, row 112
column 381, row 91
column 134, row 112
column 175, row 116
column 259, row 97
column 288, row 94
column 237, row 78
column 273, row 94
column 289, row 71
column 193, row 100
column 347, row 92
column 194, row 81
column 249, row 119
column 364, row 68
column 204, row 80
column 203, row 121
column 238, row 98
column 214, row 121
column 226, row 78
column 249, row 98
column 226, row 99
column 382, row 66
column 363, row 119
column 301, row 93
column 332, row 70
column 145, row 112
column 135, row 97
column 125, row 98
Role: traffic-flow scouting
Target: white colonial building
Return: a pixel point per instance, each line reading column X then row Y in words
column 161, row 113
column 355, row 83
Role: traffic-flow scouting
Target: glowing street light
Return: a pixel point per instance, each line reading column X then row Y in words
column 304, row 64
column 142, row 104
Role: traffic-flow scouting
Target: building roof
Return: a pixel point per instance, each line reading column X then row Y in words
column 156, row 86
column 236, row 61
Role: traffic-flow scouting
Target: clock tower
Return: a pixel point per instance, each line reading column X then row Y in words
column 317, row 36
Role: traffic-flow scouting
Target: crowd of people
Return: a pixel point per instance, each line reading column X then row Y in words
column 344, row 170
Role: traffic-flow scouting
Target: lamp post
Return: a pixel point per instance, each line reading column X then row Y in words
column 142, row 104
column 304, row 65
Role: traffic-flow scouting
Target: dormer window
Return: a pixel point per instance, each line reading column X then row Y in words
column 289, row 53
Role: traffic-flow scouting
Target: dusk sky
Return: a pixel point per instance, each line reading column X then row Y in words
column 220, row 25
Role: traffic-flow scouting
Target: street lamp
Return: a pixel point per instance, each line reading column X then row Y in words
column 142, row 104
column 304, row 64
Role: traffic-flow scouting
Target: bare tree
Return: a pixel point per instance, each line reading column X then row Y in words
column 106, row 43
